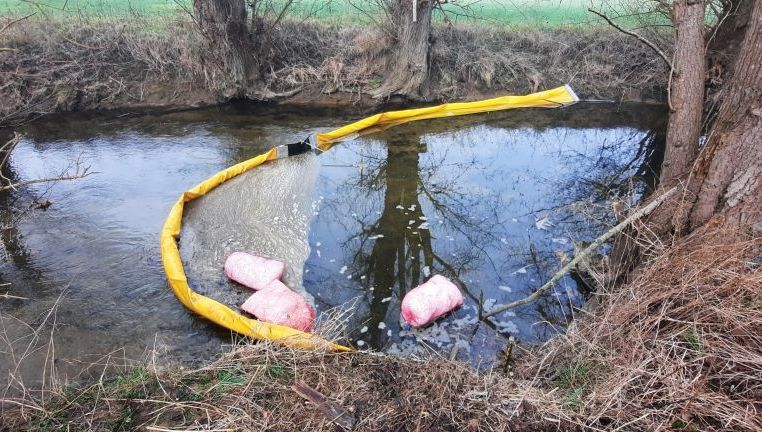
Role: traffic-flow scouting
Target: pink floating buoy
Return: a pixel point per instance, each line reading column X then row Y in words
column 253, row 271
column 277, row 304
column 430, row 300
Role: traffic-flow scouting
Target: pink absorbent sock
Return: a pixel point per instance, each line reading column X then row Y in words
column 429, row 301
column 253, row 271
column 277, row 304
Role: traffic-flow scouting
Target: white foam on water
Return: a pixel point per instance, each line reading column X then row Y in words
column 232, row 218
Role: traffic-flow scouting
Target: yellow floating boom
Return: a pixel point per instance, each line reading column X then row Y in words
column 230, row 319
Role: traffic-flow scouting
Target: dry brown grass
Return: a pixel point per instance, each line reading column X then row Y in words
column 68, row 65
column 250, row 389
column 678, row 348
column 80, row 64
column 599, row 63
column 472, row 61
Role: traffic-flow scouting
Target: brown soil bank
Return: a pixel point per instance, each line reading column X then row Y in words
column 679, row 347
column 58, row 66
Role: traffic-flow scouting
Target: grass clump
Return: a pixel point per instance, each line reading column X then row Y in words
column 574, row 375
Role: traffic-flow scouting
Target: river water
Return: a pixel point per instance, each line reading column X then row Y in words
column 496, row 202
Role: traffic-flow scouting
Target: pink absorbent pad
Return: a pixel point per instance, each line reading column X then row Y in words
column 429, row 301
column 253, row 271
column 277, row 304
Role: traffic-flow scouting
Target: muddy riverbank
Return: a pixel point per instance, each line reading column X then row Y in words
column 49, row 66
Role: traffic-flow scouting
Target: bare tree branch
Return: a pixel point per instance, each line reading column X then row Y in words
column 75, row 172
column 586, row 252
column 7, row 26
column 18, row 185
column 650, row 44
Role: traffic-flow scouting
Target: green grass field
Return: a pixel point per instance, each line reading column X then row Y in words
column 499, row 12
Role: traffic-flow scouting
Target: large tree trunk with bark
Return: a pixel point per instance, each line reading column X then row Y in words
column 686, row 91
column 727, row 176
column 724, row 43
column 228, row 59
column 408, row 71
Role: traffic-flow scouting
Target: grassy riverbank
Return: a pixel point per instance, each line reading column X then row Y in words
column 676, row 348
column 60, row 65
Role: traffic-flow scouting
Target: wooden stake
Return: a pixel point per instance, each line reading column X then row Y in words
column 332, row 411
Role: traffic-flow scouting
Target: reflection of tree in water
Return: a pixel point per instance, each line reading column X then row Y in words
column 397, row 256
column 14, row 251
column 613, row 173
column 584, row 203
column 405, row 181
column 396, row 249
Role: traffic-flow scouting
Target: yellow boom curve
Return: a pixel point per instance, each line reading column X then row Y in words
column 230, row 319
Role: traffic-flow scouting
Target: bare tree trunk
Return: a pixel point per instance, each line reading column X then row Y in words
column 725, row 42
column 728, row 174
column 229, row 58
column 408, row 72
column 687, row 91
column 726, row 178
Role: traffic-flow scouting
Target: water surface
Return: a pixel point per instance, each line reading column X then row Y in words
column 495, row 202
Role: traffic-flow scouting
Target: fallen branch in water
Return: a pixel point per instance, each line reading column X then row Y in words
column 586, row 252
column 74, row 172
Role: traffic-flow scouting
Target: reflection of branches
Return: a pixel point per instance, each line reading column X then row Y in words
column 450, row 203
column 458, row 221
column 402, row 254
column 584, row 254
column 610, row 174
column 74, row 172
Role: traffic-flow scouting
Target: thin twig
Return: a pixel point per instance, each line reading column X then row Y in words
column 15, row 186
column 7, row 26
column 652, row 45
column 161, row 429
column 77, row 43
column 586, row 252
column 75, row 172
column 331, row 410
column 11, row 296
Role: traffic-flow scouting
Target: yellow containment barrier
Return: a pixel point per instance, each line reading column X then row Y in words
column 230, row 319
column 554, row 98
